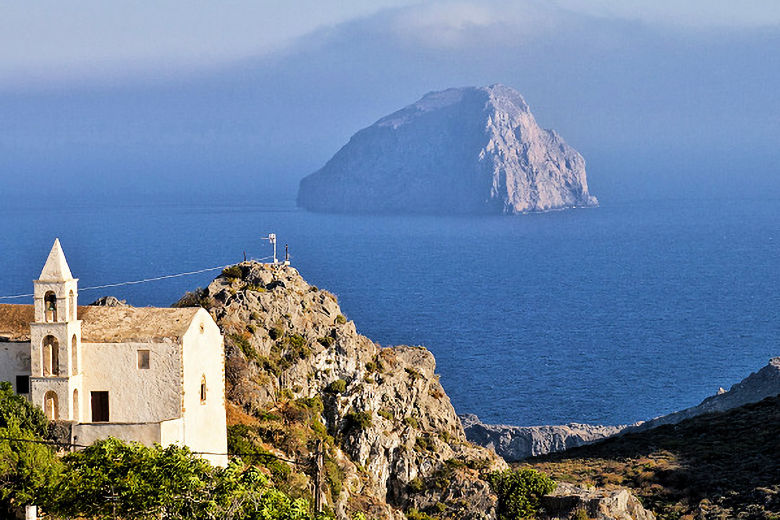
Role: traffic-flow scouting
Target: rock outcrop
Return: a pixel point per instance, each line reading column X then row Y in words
column 612, row 504
column 298, row 373
column 461, row 150
column 515, row 443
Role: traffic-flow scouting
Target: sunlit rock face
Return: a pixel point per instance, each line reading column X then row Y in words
column 458, row 151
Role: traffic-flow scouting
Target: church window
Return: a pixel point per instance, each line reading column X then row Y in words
column 50, row 306
column 99, row 406
column 22, row 384
column 50, row 406
column 72, row 306
column 51, row 356
column 74, row 354
column 143, row 359
column 203, row 390
column 76, row 405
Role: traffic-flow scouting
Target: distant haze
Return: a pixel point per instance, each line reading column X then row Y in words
column 187, row 101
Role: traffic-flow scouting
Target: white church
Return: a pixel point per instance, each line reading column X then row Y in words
column 151, row 375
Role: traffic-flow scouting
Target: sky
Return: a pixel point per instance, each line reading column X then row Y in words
column 132, row 100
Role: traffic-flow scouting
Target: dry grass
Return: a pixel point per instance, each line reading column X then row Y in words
column 724, row 465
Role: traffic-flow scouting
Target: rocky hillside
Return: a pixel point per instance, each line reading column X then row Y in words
column 757, row 386
column 712, row 466
column 462, row 150
column 298, row 373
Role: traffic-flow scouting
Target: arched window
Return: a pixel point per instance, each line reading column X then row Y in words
column 51, row 406
column 76, row 405
column 50, row 307
column 72, row 306
column 51, row 356
column 74, row 355
column 203, row 390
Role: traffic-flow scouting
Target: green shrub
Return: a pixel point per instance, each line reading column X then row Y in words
column 411, row 421
column 337, row 387
column 387, row 414
column 341, row 319
column 519, row 492
column 423, row 443
column 334, row 475
column 232, row 272
column 414, row 514
column 360, row 420
column 275, row 333
column 326, row 341
column 416, row 485
column 414, row 373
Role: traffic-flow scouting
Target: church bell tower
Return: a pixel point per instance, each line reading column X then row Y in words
column 55, row 340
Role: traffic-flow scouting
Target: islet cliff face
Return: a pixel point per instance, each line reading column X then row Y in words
column 474, row 150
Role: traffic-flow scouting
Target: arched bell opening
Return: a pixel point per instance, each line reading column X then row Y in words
column 50, row 307
column 51, row 406
column 51, row 356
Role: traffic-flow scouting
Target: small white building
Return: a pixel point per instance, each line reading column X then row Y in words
column 152, row 375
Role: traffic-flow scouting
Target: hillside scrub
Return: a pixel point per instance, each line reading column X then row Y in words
column 721, row 465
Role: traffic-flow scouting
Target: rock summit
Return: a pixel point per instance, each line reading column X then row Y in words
column 466, row 150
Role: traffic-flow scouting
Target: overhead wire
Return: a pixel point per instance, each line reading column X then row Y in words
column 145, row 280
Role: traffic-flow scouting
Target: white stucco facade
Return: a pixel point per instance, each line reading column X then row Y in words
column 137, row 374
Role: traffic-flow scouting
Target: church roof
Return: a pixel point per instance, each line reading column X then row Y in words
column 106, row 324
column 56, row 268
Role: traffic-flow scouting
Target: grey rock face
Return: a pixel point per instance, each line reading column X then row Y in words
column 515, row 443
column 464, row 150
column 612, row 504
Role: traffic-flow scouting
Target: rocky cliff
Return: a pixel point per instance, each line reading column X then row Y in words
column 515, row 443
column 462, row 150
column 299, row 374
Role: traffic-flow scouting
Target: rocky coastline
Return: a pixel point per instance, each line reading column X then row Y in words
column 516, row 443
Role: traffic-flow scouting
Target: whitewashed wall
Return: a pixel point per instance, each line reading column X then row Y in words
column 205, row 427
column 135, row 395
column 14, row 361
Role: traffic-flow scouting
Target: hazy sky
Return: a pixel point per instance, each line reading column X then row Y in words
column 127, row 97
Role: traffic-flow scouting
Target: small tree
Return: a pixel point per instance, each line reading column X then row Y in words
column 27, row 464
column 519, row 492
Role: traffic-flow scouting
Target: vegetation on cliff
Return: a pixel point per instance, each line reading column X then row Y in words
column 299, row 376
column 720, row 465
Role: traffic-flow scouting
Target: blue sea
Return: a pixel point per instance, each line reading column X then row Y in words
column 607, row 315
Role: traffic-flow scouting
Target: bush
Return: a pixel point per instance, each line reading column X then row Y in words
column 232, row 272
column 414, row 514
column 276, row 333
column 359, row 420
column 411, row 421
column 387, row 414
column 341, row 319
column 519, row 492
column 338, row 386
column 416, row 485
column 326, row 341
